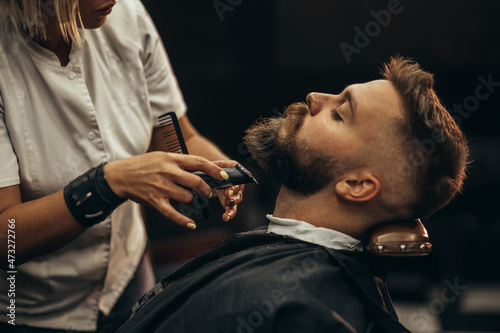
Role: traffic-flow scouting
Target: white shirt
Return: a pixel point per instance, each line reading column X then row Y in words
column 58, row 122
column 307, row 232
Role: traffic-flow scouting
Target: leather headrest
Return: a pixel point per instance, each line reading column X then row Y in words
column 398, row 238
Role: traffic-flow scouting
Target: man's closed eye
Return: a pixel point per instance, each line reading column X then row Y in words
column 336, row 115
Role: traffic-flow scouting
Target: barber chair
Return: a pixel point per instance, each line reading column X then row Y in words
column 398, row 239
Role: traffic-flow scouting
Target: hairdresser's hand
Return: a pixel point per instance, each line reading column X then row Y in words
column 155, row 178
column 232, row 196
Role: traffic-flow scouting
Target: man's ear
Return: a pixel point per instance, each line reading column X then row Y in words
column 358, row 186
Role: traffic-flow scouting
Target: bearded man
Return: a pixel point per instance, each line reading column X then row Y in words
column 379, row 151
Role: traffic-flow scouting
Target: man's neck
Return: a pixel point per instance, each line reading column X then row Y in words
column 323, row 210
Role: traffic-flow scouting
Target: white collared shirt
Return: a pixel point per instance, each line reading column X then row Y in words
column 307, row 232
column 56, row 123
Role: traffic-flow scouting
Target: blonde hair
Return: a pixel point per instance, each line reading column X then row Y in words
column 33, row 15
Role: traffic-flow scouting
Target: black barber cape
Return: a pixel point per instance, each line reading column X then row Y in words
column 260, row 282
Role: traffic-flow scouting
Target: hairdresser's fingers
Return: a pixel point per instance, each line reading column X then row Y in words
column 225, row 163
column 233, row 195
column 186, row 179
column 229, row 213
column 230, row 205
column 159, row 174
column 166, row 209
column 198, row 163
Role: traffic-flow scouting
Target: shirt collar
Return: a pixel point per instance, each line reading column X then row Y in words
column 309, row 233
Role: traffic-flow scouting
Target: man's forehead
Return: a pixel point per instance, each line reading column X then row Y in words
column 372, row 86
column 374, row 92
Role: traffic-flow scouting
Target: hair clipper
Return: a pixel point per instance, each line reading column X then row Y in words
column 237, row 175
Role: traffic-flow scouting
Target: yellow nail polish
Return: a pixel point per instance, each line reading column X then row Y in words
column 191, row 226
column 224, row 175
column 228, row 217
column 211, row 194
column 231, row 192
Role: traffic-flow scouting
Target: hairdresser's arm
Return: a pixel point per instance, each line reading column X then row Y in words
column 41, row 226
column 200, row 146
column 45, row 225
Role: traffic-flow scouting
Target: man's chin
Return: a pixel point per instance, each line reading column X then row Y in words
column 298, row 168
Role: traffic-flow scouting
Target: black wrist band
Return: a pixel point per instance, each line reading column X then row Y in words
column 89, row 197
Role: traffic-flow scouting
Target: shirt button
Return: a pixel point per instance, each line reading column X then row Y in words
column 71, row 75
column 91, row 136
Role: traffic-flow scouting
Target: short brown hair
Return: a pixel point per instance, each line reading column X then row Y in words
column 430, row 131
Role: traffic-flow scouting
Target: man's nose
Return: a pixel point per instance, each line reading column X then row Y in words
column 316, row 102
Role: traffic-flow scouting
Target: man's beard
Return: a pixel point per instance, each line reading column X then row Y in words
column 297, row 166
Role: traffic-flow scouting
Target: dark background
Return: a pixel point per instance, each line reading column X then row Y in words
column 255, row 57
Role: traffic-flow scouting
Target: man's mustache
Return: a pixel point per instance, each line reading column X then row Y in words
column 297, row 109
column 294, row 116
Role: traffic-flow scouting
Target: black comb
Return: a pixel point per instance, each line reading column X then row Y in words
column 172, row 134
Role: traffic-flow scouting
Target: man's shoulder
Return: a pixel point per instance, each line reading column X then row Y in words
column 257, row 279
column 264, row 264
column 256, row 274
column 259, row 245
